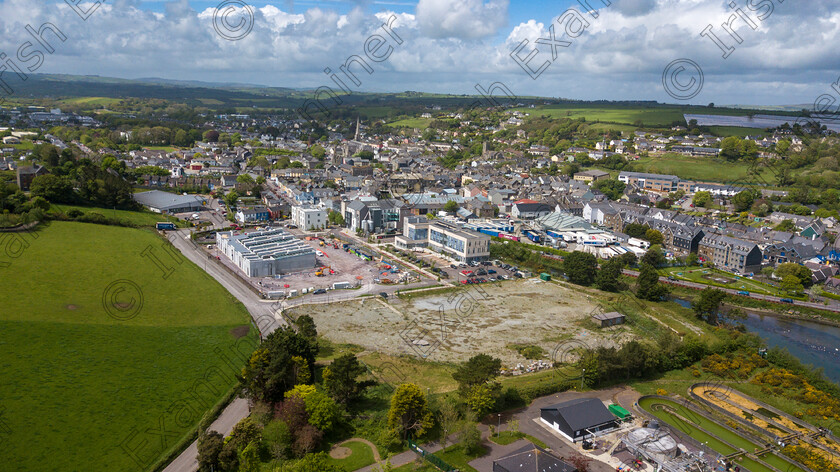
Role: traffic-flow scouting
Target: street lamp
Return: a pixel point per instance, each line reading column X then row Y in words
column 499, row 426
column 582, row 376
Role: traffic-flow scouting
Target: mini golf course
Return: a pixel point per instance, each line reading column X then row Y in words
column 707, row 431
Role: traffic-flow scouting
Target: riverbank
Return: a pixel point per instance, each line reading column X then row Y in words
column 825, row 317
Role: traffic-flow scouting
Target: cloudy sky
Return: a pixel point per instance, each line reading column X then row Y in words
column 788, row 54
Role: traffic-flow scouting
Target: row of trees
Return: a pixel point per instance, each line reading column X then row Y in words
column 582, row 269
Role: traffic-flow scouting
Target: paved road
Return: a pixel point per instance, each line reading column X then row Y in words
column 264, row 314
column 769, row 298
column 187, row 462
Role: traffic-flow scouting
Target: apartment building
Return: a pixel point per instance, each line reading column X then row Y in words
column 731, row 254
column 309, row 217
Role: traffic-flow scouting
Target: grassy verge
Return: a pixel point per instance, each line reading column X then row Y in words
column 508, row 437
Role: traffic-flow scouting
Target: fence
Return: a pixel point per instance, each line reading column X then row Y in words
column 430, row 458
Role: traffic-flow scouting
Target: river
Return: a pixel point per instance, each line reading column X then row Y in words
column 812, row 343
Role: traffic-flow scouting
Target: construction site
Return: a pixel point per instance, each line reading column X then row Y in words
column 338, row 265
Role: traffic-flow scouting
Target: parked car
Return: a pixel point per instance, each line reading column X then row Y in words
column 744, row 293
column 383, row 295
column 453, row 266
column 786, row 300
column 491, row 271
column 320, row 291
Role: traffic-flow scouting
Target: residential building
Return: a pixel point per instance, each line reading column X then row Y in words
column 253, row 215
column 25, row 175
column 732, row 254
column 589, row 176
column 308, row 217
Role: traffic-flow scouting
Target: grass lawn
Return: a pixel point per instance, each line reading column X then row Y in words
column 362, row 456
column 700, row 168
column 452, row 455
column 161, row 148
column 695, row 274
column 724, row 131
column 83, row 390
column 507, row 437
column 133, row 218
column 421, row 123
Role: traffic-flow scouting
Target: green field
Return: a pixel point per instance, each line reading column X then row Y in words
column 650, row 116
column 83, row 390
column 723, row 131
column 90, row 101
column 421, row 123
column 129, row 218
column 700, row 168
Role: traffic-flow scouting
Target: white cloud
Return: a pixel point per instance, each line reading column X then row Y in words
column 449, row 46
column 468, row 19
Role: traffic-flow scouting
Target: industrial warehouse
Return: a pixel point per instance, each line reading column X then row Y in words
column 266, row 253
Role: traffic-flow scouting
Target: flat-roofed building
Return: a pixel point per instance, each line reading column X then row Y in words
column 266, row 253
column 589, row 176
column 656, row 182
column 164, row 202
column 309, row 217
column 462, row 245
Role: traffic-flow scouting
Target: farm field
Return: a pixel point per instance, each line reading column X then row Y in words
column 653, row 116
column 119, row 363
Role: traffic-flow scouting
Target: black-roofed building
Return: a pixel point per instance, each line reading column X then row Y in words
column 531, row 458
column 579, row 419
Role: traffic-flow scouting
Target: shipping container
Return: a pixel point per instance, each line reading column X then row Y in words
column 546, row 277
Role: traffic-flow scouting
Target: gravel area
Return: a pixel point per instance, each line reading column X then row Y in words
column 453, row 326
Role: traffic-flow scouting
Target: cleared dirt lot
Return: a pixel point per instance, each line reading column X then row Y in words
column 456, row 325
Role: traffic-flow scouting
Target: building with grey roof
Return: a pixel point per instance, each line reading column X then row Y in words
column 164, row 202
column 579, row 419
column 531, row 458
column 266, row 253
column 728, row 253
